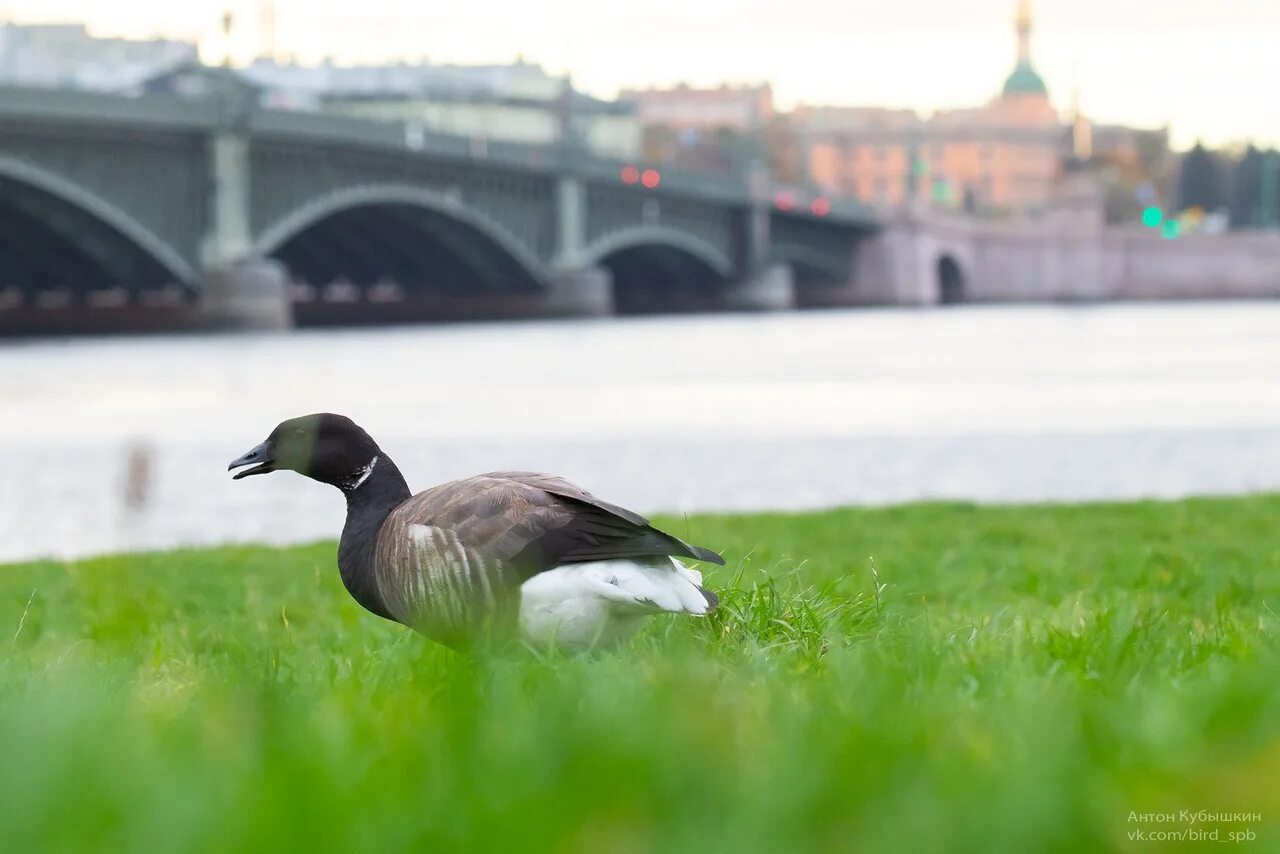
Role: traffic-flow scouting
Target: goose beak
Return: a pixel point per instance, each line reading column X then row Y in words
column 260, row 455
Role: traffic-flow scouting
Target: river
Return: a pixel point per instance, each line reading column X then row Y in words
column 727, row 412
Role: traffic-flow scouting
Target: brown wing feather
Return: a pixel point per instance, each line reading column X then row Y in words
column 613, row 532
column 563, row 488
column 533, row 522
column 455, row 555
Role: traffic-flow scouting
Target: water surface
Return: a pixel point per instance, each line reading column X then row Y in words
column 673, row 414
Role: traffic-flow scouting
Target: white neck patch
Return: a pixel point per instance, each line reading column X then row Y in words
column 362, row 475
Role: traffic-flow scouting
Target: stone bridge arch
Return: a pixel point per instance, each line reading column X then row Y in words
column 947, row 268
column 951, row 280
column 945, row 261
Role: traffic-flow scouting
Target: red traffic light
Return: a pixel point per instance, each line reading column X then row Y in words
column 784, row 200
column 650, row 178
column 630, row 174
column 821, row 206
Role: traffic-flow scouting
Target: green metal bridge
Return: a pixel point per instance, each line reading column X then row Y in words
column 108, row 201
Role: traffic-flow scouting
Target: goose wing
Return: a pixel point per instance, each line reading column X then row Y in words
column 582, row 527
column 462, row 549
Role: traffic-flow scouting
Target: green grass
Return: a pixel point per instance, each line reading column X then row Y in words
column 1020, row 679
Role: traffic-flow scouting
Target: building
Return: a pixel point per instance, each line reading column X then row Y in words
column 520, row 102
column 67, row 55
column 607, row 129
column 859, row 152
column 516, row 102
column 304, row 87
column 479, row 107
column 719, row 129
column 685, row 108
column 1002, row 157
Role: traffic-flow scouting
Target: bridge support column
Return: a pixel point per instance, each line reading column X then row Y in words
column 587, row 292
column 238, row 291
column 571, row 221
column 575, row 290
column 770, row 288
column 228, row 239
column 765, row 286
column 248, row 295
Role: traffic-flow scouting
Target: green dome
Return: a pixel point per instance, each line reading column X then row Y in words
column 1025, row 81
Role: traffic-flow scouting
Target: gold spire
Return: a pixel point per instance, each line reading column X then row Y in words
column 1024, row 80
column 1023, row 26
column 1024, row 14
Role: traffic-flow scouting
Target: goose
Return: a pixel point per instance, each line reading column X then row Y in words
column 499, row 555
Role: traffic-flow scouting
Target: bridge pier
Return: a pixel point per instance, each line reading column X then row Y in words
column 828, row 294
column 769, row 288
column 586, row 292
column 238, row 291
column 575, row 290
column 765, row 286
column 248, row 295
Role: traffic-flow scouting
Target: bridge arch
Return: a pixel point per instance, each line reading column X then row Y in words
column 411, row 235
column 661, row 269
column 55, row 233
column 951, row 279
column 643, row 237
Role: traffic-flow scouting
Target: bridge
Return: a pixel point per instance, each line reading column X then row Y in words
column 208, row 208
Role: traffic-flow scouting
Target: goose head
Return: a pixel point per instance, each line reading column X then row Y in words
column 329, row 448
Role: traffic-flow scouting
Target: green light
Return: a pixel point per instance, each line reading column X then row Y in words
column 1152, row 217
column 1171, row 229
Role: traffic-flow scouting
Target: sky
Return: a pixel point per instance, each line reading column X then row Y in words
column 1209, row 69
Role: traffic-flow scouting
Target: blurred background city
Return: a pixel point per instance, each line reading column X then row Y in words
column 1092, row 190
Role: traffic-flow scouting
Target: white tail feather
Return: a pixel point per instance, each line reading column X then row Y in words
column 579, row 603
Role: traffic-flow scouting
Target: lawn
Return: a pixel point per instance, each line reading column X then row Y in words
column 922, row 678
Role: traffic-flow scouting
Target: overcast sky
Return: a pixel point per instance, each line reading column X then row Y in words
column 1208, row 68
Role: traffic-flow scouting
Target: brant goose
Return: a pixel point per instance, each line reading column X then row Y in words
column 487, row 554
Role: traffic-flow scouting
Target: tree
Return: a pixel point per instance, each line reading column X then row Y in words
column 1246, row 190
column 1202, row 182
column 1270, row 191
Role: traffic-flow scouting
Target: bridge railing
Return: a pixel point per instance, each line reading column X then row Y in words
column 413, row 137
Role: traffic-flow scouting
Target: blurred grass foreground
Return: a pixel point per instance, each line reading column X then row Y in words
column 1006, row 679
